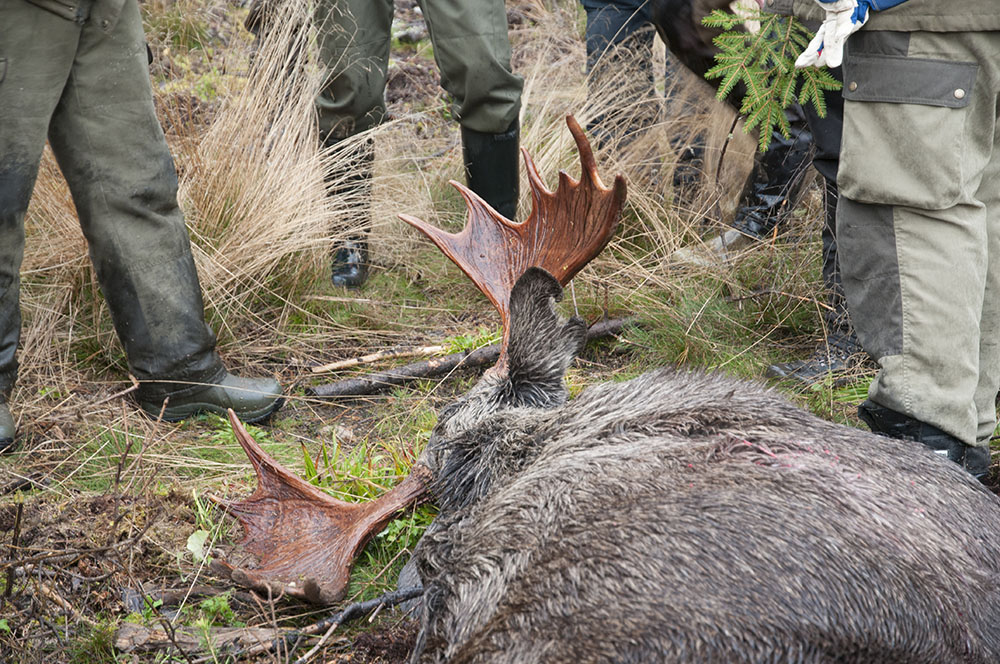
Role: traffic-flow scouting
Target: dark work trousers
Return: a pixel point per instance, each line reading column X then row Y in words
column 84, row 85
column 826, row 133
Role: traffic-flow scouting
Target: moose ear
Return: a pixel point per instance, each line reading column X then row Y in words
column 542, row 343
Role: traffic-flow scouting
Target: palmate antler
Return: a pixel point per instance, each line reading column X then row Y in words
column 305, row 541
column 565, row 231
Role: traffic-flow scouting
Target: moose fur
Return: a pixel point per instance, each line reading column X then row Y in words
column 690, row 517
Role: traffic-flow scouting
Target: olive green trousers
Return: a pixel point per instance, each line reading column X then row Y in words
column 84, row 85
column 471, row 49
column 919, row 222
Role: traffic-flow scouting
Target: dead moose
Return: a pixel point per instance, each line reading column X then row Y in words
column 677, row 517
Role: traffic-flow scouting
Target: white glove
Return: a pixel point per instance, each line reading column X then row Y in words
column 746, row 9
column 843, row 18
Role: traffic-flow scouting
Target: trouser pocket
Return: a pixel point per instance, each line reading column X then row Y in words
column 889, row 100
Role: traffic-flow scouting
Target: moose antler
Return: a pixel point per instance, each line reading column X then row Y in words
column 304, row 540
column 565, row 231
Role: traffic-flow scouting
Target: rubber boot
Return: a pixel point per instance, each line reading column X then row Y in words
column 491, row 167
column 837, row 358
column 252, row 399
column 887, row 422
column 349, row 265
column 778, row 180
column 6, row 427
column 353, row 181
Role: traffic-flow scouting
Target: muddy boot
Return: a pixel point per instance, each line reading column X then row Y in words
column 6, row 427
column 491, row 167
column 886, row 422
column 252, row 399
column 777, row 183
column 352, row 181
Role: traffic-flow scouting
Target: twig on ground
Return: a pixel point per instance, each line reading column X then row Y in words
column 49, row 593
column 127, row 390
column 13, row 549
column 381, row 355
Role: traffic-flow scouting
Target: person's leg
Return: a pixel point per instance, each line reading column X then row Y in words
column 354, row 39
column 840, row 350
column 472, row 51
column 777, row 179
column 109, row 144
column 33, row 72
column 914, row 234
column 620, row 79
column 989, row 194
column 613, row 23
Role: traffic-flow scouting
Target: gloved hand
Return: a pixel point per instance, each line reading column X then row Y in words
column 843, row 18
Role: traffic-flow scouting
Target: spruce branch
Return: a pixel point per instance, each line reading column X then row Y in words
column 764, row 63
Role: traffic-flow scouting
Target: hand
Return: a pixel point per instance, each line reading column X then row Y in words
column 747, row 10
column 843, row 18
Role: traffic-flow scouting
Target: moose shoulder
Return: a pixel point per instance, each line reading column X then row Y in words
column 691, row 517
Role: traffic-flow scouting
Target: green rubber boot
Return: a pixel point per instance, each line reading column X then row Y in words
column 252, row 399
column 6, row 427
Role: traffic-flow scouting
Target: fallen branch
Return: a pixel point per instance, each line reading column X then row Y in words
column 381, row 355
column 486, row 356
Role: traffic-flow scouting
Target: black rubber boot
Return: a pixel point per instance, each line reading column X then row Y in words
column 882, row 420
column 491, row 167
column 349, row 265
column 353, row 180
column 6, row 427
column 778, row 180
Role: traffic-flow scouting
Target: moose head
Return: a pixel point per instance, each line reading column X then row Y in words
column 305, row 541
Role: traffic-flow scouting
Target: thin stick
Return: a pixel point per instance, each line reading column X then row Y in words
column 381, row 355
column 13, row 549
column 48, row 592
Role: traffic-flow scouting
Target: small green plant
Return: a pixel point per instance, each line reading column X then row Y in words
column 150, row 609
column 216, row 610
column 764, row 62
column 483, row 336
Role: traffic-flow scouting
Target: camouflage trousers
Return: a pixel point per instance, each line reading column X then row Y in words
column 84, row 85
column 919, row 222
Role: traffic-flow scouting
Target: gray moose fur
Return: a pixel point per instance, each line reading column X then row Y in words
column 690, row 517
